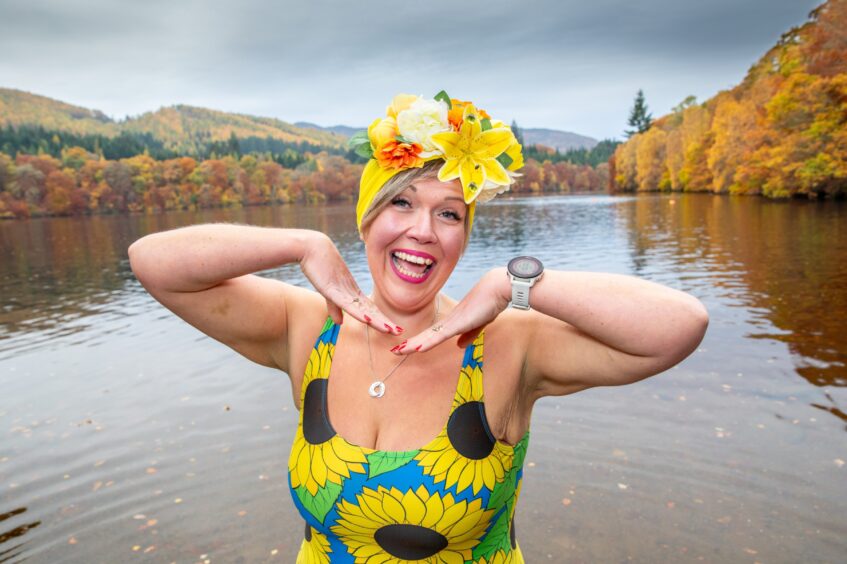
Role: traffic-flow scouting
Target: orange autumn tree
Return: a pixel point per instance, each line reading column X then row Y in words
column 85, row 183
column 782, row 132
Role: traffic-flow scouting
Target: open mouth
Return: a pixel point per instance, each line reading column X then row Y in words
column 411, row 267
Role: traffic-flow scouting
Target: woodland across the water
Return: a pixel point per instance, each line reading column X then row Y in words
column 781, row 133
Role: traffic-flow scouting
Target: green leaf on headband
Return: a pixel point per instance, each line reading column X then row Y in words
column 364, row 151
column 401, row 139
column 505, row 160
column 444, row 98
column 357, row 139
column 486, row 124
column 360, row 144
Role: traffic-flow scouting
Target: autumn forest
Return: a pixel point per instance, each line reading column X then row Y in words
column 781, row 133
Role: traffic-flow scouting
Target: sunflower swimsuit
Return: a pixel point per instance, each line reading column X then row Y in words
column 451, row 501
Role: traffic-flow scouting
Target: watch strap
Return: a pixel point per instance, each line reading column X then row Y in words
column 520, row 292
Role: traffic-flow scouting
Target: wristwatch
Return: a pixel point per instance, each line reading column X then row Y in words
column 523, row 272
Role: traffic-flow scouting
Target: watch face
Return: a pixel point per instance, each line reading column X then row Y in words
column 525, row 267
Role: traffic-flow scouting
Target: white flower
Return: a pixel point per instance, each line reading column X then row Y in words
column 421, row 120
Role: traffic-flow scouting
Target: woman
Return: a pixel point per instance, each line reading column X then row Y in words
column 404, row 451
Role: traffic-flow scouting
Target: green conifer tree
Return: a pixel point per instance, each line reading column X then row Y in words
column 517, row 131
column 639, row 118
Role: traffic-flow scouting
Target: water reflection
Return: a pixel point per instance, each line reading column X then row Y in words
column 784, row 262
column 13, row 535
column 112, row 409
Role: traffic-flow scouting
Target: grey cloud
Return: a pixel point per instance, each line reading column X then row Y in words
column 566, row 64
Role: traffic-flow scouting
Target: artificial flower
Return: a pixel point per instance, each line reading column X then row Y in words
column 382, row 131
column 457, row 112
column 400, row 103
column 399, row 156
column 516, row 154
column 471, row 154
column 422, row 119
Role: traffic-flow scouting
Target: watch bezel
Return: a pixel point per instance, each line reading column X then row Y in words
column 537, row 263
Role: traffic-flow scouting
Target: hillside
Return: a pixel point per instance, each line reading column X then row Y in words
column 22, row 108
column 180, row 128
column 781, row 133
column 553, row 138
column 561, row 140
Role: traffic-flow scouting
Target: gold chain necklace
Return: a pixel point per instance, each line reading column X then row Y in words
column 377, row 388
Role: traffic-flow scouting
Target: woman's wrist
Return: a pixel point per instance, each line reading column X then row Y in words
column 501, row 285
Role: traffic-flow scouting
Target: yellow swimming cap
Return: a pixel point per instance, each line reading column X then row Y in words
column 483, row 154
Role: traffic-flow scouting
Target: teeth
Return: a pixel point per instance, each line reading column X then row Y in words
column 412, row 258
column 408, row 273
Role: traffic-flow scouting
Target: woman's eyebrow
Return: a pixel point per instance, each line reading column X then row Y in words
column 414, row 188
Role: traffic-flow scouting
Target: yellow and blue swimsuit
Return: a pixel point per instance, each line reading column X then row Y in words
column 451, row 501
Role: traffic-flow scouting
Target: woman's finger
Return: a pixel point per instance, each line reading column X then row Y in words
column 432, row 337
column 363, row 309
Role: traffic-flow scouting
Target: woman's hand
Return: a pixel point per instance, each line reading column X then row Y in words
column 477, row 309
column 326, row 270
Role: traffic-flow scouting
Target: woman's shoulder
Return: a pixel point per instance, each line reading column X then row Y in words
column 306, row 313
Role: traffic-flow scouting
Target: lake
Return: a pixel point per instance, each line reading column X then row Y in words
column 126, row 435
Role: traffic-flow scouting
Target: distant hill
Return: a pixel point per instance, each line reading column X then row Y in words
column 180, row 128
column 22, row 108
column 344, row 130
column 561, row 140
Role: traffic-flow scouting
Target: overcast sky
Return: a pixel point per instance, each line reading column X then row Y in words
column 563, row 64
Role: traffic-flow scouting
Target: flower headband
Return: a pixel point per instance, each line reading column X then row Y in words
column 482, row 153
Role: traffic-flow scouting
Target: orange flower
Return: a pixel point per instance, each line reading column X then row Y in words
column 399, row 156
column 457, row 111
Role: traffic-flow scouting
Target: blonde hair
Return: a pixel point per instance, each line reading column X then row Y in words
column 399, row 182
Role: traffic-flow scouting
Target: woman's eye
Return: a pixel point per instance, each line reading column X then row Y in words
column 451, row 215
column 401, row 202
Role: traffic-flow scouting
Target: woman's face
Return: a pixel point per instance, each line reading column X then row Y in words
column 415, row 242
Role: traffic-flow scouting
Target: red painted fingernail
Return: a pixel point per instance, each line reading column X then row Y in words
column 402, row 345
column 367, row 319
column 399, row 329
column 417, row 348
column 387, row 327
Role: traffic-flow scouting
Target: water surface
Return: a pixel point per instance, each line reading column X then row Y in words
column 126, row 434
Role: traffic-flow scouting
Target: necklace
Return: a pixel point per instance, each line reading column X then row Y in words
column 377, row 388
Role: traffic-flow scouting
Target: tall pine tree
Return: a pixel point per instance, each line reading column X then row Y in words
column 639, row 118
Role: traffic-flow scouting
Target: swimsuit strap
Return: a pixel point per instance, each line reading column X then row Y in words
column 469, row 386
column 320, row 359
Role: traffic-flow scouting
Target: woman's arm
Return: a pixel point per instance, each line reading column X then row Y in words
column 593, row 329
column 586, row 329
column 204, row 275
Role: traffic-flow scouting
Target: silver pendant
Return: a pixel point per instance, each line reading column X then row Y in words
column 377, row 389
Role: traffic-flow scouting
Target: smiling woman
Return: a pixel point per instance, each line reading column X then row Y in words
column 429, row 468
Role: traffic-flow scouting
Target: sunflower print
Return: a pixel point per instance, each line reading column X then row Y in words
column 450, row 501
column 313, row 466
column 319, row 456
column 502, row 557
column 315, row 548
column 377, row 529
column 465, row 454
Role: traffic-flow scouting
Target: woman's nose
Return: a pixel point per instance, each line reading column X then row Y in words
column 422, row 229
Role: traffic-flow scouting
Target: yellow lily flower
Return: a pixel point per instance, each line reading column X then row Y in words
column 515, row 153
column 471, row 154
